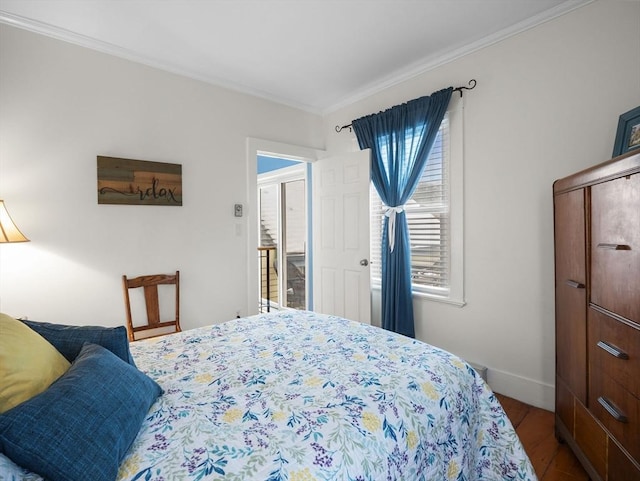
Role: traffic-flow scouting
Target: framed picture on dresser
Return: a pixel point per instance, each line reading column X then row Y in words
column 628, row 133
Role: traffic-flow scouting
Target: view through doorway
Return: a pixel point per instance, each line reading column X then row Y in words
column 283, row 234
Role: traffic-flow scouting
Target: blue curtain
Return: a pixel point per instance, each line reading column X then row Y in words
column 400, row 140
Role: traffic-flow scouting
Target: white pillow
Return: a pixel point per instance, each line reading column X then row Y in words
column 10, row 471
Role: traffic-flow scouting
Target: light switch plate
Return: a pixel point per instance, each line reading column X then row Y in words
column 237, row 210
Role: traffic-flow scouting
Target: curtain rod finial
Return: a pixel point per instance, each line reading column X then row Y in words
column 472, row 84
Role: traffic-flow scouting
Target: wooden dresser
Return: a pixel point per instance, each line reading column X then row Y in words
column 597, row 275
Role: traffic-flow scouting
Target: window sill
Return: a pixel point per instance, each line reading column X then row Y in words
column 432, row 297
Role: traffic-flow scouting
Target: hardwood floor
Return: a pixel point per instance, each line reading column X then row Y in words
column 551, row 460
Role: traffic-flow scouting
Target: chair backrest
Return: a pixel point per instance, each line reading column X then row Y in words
column 150, row 285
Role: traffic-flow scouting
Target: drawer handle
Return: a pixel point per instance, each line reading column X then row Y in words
column 574, row 284
column 615, row 247
column 613, row 350
column 613, row 410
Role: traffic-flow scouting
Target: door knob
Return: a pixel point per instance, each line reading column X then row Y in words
column 364, row 262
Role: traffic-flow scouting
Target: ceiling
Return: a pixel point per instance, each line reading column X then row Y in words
column 317, row 55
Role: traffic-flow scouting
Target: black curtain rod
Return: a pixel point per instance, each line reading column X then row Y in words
column 472, row 84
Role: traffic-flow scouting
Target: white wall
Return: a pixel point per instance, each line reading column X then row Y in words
column 546, row 105
column 61, row 106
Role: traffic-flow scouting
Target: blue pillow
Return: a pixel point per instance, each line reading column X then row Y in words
column 82, row 426
column 68, row 340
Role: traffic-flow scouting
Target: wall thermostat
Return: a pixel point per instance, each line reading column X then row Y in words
column 237, row 210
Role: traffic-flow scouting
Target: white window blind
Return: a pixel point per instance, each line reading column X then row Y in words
column 429, row 223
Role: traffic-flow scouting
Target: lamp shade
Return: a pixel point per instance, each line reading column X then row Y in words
column 8, row 230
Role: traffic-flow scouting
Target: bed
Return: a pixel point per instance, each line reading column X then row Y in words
column 300, row 396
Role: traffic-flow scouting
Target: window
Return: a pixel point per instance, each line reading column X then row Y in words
column 434, row 217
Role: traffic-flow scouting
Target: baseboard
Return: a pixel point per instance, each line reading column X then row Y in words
column 523, row 389
column 481, row 370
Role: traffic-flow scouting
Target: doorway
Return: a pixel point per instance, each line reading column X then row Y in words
column 321, row 294
column 283, row 234
column 307, row 156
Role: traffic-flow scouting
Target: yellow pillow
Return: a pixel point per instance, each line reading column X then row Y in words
column 28, row 363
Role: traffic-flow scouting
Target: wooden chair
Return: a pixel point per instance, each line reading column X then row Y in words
column 150, row 285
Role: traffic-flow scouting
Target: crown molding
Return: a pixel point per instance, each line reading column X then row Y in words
column 417, row 68
column 68, row 36
column 430, row 63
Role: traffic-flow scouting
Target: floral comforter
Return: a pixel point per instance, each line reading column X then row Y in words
column 299, row 396
column 302, row 396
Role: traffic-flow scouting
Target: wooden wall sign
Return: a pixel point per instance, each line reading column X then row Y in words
column 138, row 182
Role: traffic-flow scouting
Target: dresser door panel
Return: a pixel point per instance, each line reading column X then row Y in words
column 615, row 246
column 571, row 355
column 565, row 405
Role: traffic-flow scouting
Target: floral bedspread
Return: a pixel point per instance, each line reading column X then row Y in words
column 299, row 396
column 303, row 396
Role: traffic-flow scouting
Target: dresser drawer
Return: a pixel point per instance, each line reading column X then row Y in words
column 615, row 246
column 621, row 467
column 617, row 409
column 614, row 347
column 591, row 439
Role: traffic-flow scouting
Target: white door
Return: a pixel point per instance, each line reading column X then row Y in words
column 341, row 282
